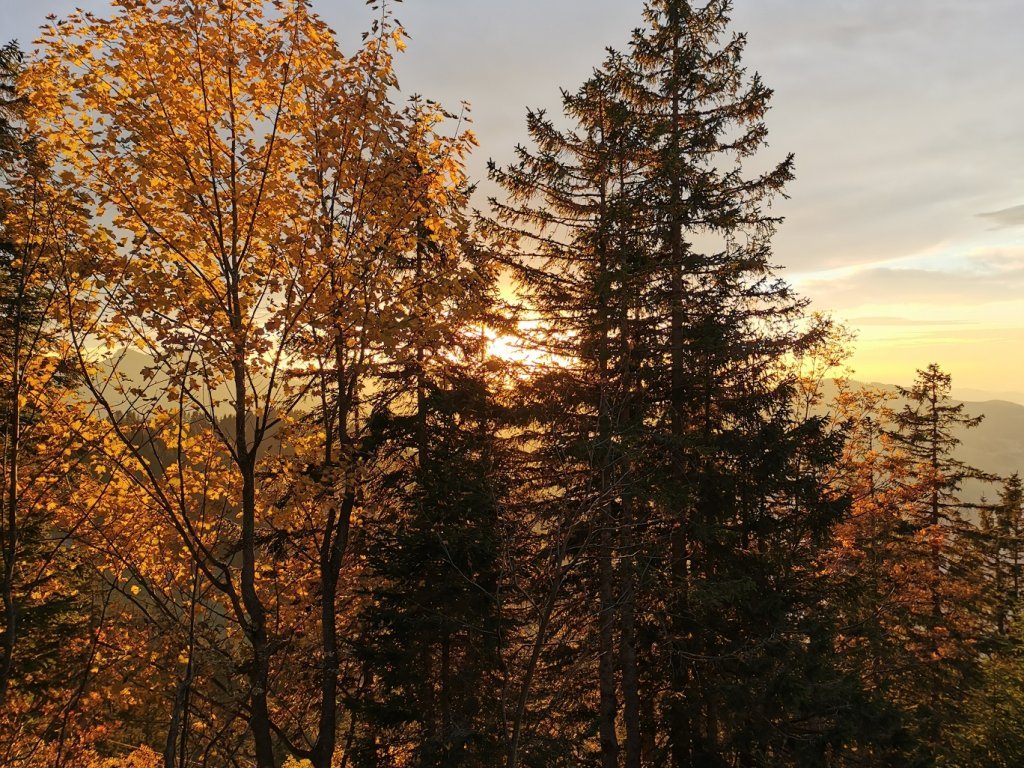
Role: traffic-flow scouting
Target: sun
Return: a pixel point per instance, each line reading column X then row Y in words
column 517, row 349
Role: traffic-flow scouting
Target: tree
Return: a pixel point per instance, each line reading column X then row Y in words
column 400, row 292
column 431, row 630
column 569, row 223
column 265, row 195
column 879, row 583
column 1000, row 532
column 983, row 732
column 647, row 251
column 987, row 732
column 926, row 430
column 193, row 158
column 913, row 627
column 740, row 498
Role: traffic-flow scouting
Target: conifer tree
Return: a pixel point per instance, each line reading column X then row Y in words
column 571, row 215
column 925, row 430
column 1001, row 527
column 653, row 253
column 877, row 580
column 740, row 504
column 431, row 627
column 946, row 614
column 987, row 730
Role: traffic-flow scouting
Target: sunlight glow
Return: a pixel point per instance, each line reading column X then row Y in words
column 517, row 349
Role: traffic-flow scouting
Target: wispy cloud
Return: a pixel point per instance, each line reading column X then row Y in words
column 1006, row 218
column 978, row 278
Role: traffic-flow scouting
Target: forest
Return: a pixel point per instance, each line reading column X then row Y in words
column 314, row 458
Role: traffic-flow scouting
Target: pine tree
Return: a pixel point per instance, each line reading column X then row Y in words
column 1001, row 527
column 431, row 627
column 45, row 584
column 925, row 430
column 878, row 584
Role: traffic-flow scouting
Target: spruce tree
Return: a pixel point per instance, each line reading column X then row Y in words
column 431, row 626
column 1001, row 527
column 739, row 500
column 926, row 429
column 988, row 730
column 946, row 612
column 569, row 227
column 648, row 251
column 879, row 585
column 1010, row 520
column 45, row 586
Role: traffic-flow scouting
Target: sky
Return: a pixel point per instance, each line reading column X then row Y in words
column 906, row 219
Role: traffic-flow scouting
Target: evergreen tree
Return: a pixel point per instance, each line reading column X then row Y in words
column 431, row 631
column 878, row 584
column 45, row 585
column 987, row 731
column 1001, row 528
column 571, row 223
column 10, row 63
column 946, row 619
column 739, row 500
column 925, row 430
column 648, row 252
column 431, row 628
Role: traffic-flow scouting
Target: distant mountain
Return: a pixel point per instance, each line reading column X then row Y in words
column 130, row 365
column 984, row 396
column 995, row 446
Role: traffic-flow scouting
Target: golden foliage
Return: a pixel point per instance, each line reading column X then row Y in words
column 274, row 239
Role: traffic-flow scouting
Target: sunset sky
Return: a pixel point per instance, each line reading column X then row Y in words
column 906, row 118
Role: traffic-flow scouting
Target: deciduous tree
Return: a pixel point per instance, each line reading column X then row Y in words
column 265, row 195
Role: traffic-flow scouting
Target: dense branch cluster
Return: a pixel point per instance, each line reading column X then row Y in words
column 269, row 498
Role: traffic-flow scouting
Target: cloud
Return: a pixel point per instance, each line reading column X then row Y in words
column 983, row 277
column 1006, row 218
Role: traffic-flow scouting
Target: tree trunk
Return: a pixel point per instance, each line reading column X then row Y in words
column 9, row 534
column 256, row 629
column 606, row 667
column 630, row 672
column 259, row 673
